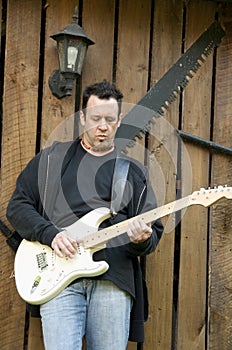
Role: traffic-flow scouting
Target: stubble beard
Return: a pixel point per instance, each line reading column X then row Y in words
column 103, row 146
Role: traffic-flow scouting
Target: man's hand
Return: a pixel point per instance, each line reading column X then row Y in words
column 63, row 244
column 139, row 231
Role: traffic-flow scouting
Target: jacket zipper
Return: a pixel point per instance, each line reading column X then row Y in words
column 140, row 198
column 46, row 186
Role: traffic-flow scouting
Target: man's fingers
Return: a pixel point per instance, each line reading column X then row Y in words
column 138, row 231
column 64, row 244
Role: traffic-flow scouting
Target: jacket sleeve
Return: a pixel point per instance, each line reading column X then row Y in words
column 147, row 202
column 24, row 210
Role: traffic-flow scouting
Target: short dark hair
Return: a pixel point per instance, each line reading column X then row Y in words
column 103, row 90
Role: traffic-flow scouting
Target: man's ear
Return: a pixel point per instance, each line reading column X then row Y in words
column 119, row 119
column 82, row 118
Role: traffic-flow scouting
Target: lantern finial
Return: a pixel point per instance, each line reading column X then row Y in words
column 75, row 15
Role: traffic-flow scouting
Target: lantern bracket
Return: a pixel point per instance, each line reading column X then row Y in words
column 61, row 85
column 72, row 45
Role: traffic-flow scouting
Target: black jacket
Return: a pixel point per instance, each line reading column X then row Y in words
column 30, row 211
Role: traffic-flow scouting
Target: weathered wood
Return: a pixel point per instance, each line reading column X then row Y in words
column 98, row 22
column 220, row 301
column 56, row 123
column 163, row 149
column 133, row 57
column 55, row 112
column 1, row 26
column 133, row 62
column 191, row 330
column 131, row 71
column 18, row 143
column 133, row 49
column 35, row 337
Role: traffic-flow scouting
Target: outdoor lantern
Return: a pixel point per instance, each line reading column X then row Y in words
column 72, row 45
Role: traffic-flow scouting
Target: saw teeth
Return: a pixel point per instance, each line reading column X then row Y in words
column 131, row 143
column 196, row 67
column 139, row 135
column 153, row 122
column 208, row 50
column 184, row 82
column 165, row 105
column 202, row 59
column 172, row 98
column 171, row 85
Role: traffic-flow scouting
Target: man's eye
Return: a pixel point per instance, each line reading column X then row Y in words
column 110, row 120
column 95, row 119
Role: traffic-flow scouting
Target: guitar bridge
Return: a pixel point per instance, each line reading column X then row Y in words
column 42, row 260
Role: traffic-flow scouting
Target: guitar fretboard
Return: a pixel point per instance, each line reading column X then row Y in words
column 202, row 197
column 108, row 233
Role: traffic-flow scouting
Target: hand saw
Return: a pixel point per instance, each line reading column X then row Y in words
column 165, row 91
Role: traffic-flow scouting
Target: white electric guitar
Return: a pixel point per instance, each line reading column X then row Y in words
column 40, row 274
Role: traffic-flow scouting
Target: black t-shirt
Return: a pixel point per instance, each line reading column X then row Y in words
column 85, row 185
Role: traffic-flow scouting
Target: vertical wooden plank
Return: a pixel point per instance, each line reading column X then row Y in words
column 35, row 337
column 163, row 149
column 220, row 302
column 57, row 120
column 1, row 9
column 2, row 25
column 98, row 23
column 193, row 250
column 55, row 111
column 18, row 143
column 133, row 61
column 133, row 49
column 133, row 57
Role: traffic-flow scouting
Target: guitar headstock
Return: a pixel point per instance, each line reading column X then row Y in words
column 206, row 197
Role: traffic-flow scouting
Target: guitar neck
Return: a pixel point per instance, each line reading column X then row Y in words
column 104, row 235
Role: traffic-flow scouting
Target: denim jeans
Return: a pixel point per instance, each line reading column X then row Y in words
column 96, row 309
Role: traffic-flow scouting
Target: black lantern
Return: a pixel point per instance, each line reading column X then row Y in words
column 72, row 45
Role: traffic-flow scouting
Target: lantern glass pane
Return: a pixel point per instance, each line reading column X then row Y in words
column 82, row 52
column 72, row 54
column 72, row 57
column 61, row 52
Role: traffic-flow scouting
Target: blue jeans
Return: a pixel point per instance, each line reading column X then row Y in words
column 96, row 309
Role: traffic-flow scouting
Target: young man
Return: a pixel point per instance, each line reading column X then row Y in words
column 62, row 184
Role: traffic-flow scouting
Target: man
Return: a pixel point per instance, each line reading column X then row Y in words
column 62, row 184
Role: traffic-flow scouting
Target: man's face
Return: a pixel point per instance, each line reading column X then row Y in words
column 100, row 123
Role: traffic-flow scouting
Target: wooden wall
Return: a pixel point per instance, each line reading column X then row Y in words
column 136, row 42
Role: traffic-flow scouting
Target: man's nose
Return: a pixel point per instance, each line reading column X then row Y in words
column 103, row 124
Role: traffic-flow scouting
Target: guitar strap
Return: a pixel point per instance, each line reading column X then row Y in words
column 121, row 169
column 13, row 239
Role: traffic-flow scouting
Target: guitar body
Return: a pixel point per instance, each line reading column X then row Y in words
column 40, row 274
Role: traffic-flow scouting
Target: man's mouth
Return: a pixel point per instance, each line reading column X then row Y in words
column 101, row 137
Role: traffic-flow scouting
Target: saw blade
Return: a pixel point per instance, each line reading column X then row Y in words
column 137, row 122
